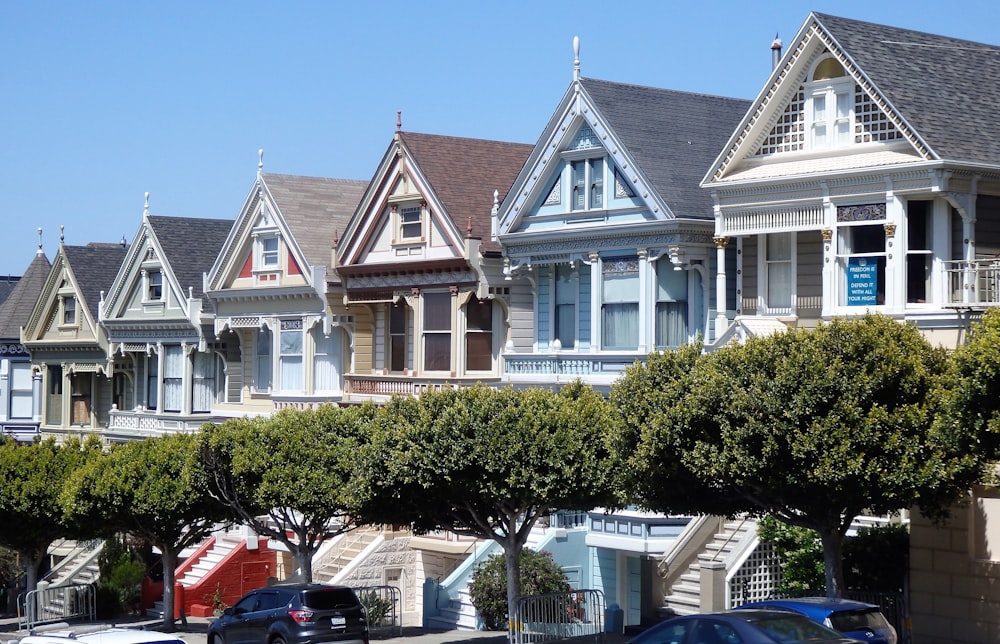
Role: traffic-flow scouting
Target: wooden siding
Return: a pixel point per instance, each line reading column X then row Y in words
column 364, row 326
column 748, row 297
column 543, row 328
column 522, row 317
column 809, row 277
column 586, row 324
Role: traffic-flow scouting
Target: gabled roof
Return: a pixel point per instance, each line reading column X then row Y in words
column 16, row 308
column 94, row 267
column 190, row 246
column 947, row 89
column 673, row 136
column 315, row 209
column 7, row 284
column 463, row 174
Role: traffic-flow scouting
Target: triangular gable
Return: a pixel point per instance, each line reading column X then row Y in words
column 66, row 311
column 146, row 287
column 299, row 217
column 778, row 125
column 401, row 218
column 429, row 194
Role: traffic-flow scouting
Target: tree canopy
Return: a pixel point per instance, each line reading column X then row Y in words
column 812, row 426
column 155, row 489
column 297, row 468
column 489, row 463
column 32, row 477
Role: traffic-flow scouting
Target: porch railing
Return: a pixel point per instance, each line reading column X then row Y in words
column 974, row 284
column 398, row 385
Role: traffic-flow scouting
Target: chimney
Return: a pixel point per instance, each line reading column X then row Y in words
column 775, row 52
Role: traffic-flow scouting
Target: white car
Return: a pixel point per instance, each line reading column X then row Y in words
column 102, row 636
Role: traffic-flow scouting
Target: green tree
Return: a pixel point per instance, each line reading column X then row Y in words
column 540, row 574
column 297, row 468
column 489, row 463
column 155, row 489
column 812, row 426
column 31, row 479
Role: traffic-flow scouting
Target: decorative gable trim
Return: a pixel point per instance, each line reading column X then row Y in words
column 758, row 134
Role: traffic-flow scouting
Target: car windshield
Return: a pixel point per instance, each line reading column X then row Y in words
column 329, row 598
column 858, row 620
column 794, row 628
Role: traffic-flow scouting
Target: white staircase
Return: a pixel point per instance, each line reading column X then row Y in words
column 343, row 552
column 80, row 566
column 683, row 587
column 224, row 544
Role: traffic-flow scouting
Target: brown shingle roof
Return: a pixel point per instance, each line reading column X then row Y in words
column 463, row 173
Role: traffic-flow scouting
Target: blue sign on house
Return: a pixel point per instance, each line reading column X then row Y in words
column 862, row 281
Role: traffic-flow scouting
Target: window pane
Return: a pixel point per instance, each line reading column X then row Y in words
column 437, row 311
column 779, row 285
column 479, row 351
column 479, row 315
column 291, row 373
column 671, row 324
column 173, row 378
column 671, row 285
column 437, row 352
column 263, row 348
column 579, row 173
column 269, row 251
column 779, row 247
column 620, row 325
column 152, row 380
column 327, row 362
column 597, row 183
column 565, row 325
column 409, row 219
column 621, row 281
column 203, row 385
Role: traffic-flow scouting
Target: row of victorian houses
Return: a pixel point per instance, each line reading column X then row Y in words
column 865, row 176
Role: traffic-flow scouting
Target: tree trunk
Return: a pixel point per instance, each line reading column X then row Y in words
column 169, row 561
column 833, row 561
column 33, row 563
column 304, row 559
column 512, row 553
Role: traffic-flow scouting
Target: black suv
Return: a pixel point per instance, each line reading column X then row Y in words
column 293, row 614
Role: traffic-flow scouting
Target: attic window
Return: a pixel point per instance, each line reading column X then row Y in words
column 269, row 252
column 69, row 311
column 410, row 222
column 154, row 291
column 585, row 139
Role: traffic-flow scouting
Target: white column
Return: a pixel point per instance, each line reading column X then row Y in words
column 895, row 253
column 721, row 320
column 645, row 317
column 595, row 301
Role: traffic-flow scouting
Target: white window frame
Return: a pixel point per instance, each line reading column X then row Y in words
column 844, row 256
column 21, row 391
column 288, row 359
column 763, row 267
column 154, row 285
column 572, row 290
column 263, row 361
column 592, row 183
column 470, row 332
column 403, row 222
column 838, row 127
column 425, row 332
column 406, row 313
column 327, row 355
column 70, row 311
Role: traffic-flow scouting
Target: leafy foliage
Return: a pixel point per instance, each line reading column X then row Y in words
column 377, row 607
column 489, row 463
column 121, row 573
column 297, row 467
column 540, row 574
column 801, row 555
column 812, row 426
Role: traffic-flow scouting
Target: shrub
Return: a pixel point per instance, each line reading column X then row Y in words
column 121, row 573
column 540, row 574
column 379, row 608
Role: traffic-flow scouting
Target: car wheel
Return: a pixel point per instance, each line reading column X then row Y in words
column 217, row 639
column 278, row 640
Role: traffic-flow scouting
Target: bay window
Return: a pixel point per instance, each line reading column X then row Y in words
column 204, row 384
column 620, row 303
column 671, row 305
column 564, row 322
column 173, row 378
column 479, row 335
column 437, row 331
column 290, row 371
column 263, row 361
column 20, row 391
column 326, row 362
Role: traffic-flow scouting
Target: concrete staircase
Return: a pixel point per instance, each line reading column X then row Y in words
column 715, row 542
column 344, row 552
column 224, row 544
column 80, row 566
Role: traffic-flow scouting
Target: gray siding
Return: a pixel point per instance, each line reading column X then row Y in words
column 809, row 280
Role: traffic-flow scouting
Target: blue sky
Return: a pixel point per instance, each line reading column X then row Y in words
column 105, row 100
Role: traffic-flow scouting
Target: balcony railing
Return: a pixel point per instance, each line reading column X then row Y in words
column 396, row 385
column 527, row 366
column 974, row 284
column 140, row 423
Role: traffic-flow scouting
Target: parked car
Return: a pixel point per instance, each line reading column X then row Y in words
column 293, row 614
column 101, row 636
column 740, row 627
column 855, row 619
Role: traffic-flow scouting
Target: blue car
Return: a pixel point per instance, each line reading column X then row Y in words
column 740, row 627
column 858, row 620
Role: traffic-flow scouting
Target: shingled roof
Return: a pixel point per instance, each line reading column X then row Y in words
column 95, row 267
column 947, row 89
column 191, row 245
column 463, row 173
column 16, row 308
column 673, row 136
column 316, row 210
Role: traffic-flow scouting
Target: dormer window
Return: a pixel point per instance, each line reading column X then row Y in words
column 269, row 252
column 69, row 311
column 408, row 222
column 832, row 105
column 154, row 288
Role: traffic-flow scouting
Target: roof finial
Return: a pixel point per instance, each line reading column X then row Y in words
column 775, row 51
column 62, row 233
column 576, row 58
column 336, row 237
column 399, row 120
column 260, row 161
column 145, row 208
column 123, row 243
column 39, row 242
column 468, row 228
